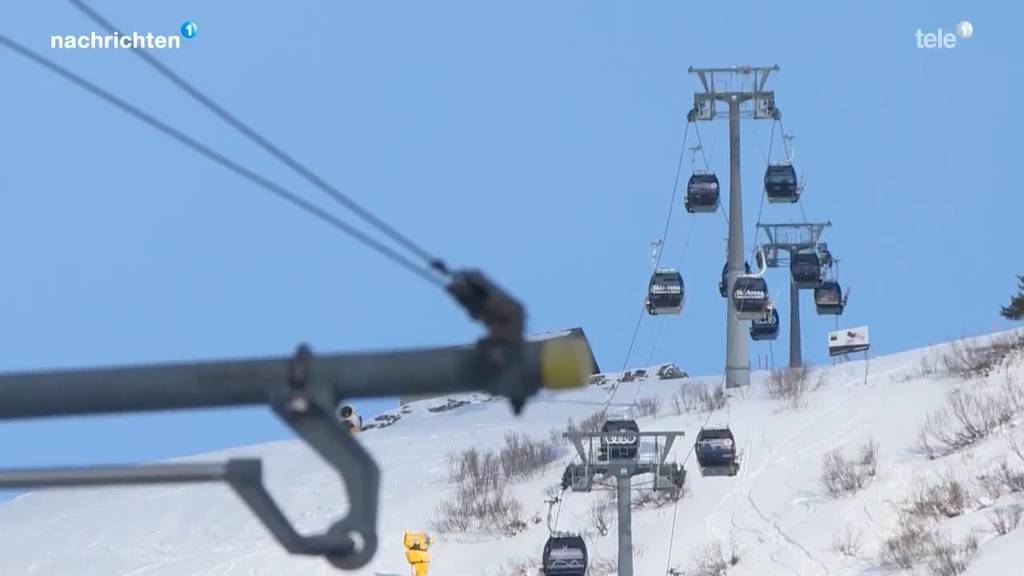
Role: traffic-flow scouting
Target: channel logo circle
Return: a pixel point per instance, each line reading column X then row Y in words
column 964, row 29
column 189, row 29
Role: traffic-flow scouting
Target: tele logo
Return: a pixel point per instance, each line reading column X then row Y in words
column 941, row 39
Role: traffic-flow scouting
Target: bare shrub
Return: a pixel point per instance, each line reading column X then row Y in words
column 599, row 514
column 650, row 498
column 967, row 419
column 482, row 499
column 846, row 541
column 521, row 567
column 714, row 560
column 1006, row 519
column 868, row 459
column 523, row 457
column 1010, row 479
column 949, row 559
column 909, row 546
column 946, row 498
column 648, row 406
column 789, row 385
column 1012, row 394
column 840, row 475
column 601, row 566
column 699, row 397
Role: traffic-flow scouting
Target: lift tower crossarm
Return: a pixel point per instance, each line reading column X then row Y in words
column 791, row 238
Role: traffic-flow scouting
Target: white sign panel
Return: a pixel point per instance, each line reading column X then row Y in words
column 850, row 340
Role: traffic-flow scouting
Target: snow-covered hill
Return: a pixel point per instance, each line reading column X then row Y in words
column 775, row 512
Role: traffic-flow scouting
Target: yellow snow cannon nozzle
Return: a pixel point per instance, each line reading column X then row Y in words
column 564, row 363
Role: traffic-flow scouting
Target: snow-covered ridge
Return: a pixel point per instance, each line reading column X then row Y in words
column 776, row 511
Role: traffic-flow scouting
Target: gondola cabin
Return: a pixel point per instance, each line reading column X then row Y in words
column 766, row 328
column 666, row 293
column 805, row 268
column 564, row 555
column 780, row 183
column 828, row 298
column 750, row 297
column 715, row 449
column 620, row 440
column 725, row 278
column 702, row 194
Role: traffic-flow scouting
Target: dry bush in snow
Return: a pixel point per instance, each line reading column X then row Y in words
column 840, row 475
column 950, row 559
column 846, row 541
column 946, row 498
column 699, row 397
column 909, row 546
column 713, row 560
column 789, row 385
column 967, row 419
column 600, row 514
column 648, row 406
column 523, row 457
column 1005, row 519
column 970, row 359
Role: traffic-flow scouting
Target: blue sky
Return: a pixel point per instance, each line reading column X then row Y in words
column 536, row 140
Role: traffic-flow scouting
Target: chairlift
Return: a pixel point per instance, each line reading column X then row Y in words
column 702, row 192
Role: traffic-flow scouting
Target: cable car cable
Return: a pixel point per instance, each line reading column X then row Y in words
column 434, row 262
column 675, row 506
column 223, row 160
column 657, row 262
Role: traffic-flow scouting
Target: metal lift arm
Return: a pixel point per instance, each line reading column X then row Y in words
column 303, row 390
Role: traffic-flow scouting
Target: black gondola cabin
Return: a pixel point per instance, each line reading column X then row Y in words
column 716, row 452
column 805, row 267
column 666, row 293
column 780, row 183
column 702, row 193
column 565, row 555
column 620, row 440
column 766, row 328
column 750, row 297
column 828, row 298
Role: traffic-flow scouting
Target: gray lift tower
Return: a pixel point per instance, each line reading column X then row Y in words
column 742, row 84
column 784, row 240
column 623, row 454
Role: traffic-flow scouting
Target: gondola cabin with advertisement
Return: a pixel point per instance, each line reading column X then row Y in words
column 564, row 555
column 766, row 328
column 725, row 278
column 620, row 440
column 666, row 293
column 702, row 193
column 716, row 452
column 750, row 297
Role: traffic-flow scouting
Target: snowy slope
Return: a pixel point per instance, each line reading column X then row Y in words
column 775, row 510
